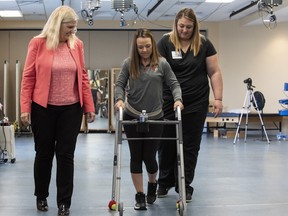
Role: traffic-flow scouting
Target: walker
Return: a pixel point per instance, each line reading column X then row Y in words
column 115, row 204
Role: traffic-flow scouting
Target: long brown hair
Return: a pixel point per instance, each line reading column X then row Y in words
column 189, row 14
column 134, row 55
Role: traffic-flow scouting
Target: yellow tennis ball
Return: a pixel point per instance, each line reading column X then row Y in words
column 177, row 205
column 113, row 207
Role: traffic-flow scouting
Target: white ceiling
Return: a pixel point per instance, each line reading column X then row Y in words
column 41, row 9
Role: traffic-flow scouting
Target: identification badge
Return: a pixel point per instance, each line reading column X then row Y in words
column 176, row 55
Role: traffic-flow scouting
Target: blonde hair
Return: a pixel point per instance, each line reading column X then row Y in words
column 135, row 57
column 196, row 43
column 51, row 30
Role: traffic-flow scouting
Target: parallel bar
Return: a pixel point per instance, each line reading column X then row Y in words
column 244, row 8
column 154, row 7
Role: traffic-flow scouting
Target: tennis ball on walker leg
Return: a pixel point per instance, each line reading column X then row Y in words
column 112, row 205
column 178, row 204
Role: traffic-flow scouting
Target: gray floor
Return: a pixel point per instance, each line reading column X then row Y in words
column 231, row 180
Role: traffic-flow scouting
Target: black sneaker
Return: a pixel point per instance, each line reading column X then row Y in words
column 151, row 192
column 188, row 197
column 162, row 191
column 63, row 210
column 42, row 204
column 189, row 193
column 140, row 201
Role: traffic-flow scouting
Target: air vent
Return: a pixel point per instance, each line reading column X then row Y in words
column 187, row 3
column 122, row 5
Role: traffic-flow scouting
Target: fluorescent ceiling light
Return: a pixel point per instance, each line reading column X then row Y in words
column 10, row 13
column 219, row 1
column 7, row 0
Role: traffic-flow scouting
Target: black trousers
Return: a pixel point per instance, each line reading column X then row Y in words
column 192, row 128
column 142, row 150
column 55, row 130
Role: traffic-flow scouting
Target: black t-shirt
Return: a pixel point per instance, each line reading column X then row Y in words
column 191, row 73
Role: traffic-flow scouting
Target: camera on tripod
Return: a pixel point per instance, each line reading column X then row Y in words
column 258, row 101
column 248, row 81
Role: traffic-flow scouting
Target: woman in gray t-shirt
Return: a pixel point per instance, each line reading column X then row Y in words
column 140, row 87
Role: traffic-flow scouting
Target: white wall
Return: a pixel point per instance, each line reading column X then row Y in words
column 244, row 51
column 255, row 52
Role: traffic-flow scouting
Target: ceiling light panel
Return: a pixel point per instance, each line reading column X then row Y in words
column 10, row 13
column 189, row 3
column 219, row 1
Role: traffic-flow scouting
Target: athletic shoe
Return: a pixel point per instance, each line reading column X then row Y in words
column 162, row 191
column 140, row 201
column 151, row 192
column 188, row 197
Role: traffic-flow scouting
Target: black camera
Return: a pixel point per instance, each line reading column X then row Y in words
column 248, row 81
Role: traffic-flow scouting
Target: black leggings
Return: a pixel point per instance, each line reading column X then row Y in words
column 142, row 150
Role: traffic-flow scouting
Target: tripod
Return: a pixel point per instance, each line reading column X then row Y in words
column 247, row 106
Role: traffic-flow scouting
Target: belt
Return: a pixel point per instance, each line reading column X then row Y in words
column 137, row 113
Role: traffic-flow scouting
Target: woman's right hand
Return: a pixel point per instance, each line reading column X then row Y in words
column 178, row 103
column 26, row 119
column 118, row 104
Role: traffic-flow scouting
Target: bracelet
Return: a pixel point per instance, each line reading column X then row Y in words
column 218, row 99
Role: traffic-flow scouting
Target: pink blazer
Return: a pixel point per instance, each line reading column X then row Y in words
column 37, row 75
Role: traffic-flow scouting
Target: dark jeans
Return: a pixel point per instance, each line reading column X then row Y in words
column 192, row 128
column 142, row 150
column 55, row 130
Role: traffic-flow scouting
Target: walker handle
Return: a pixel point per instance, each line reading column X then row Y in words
column 178, row 113
column 120, row 116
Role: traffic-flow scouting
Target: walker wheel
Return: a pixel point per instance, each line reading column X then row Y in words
column 180, row 207
column 120, row 209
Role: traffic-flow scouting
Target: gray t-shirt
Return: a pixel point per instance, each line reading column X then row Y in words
column 146, row 91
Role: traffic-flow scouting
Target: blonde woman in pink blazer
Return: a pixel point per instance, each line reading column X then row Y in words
column 55, row 92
